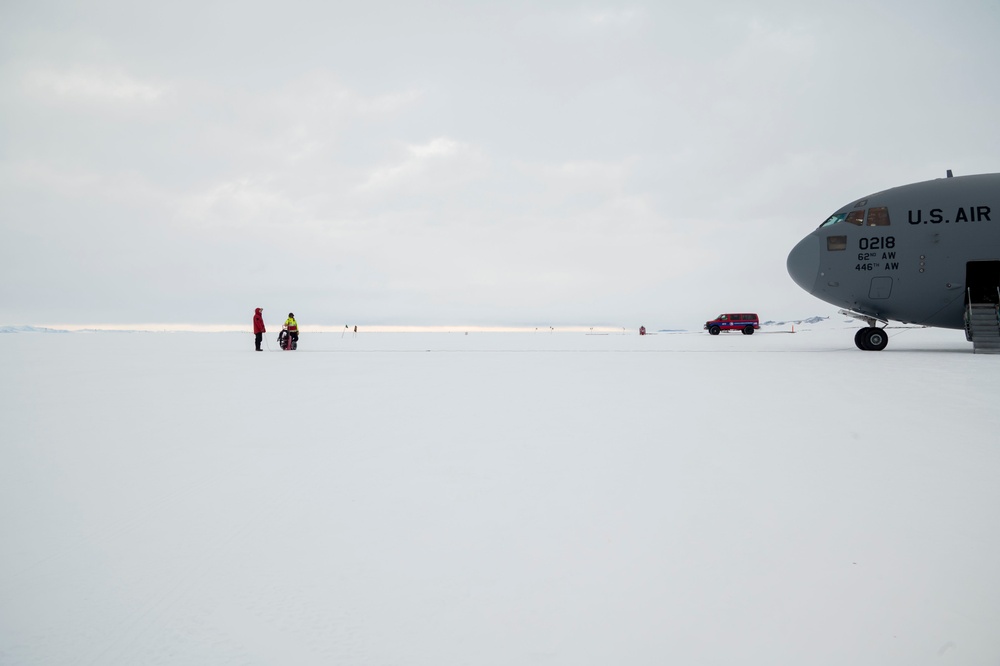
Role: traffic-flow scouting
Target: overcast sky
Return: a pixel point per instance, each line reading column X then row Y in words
column 514, row 163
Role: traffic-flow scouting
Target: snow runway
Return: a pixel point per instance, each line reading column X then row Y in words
column 546, row 498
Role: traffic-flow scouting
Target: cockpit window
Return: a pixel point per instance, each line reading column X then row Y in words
column 878, row 217
column 834, row 243
column 833, row 219
column 856, row 217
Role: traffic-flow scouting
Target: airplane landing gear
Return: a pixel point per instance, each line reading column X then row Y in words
column 871, row 339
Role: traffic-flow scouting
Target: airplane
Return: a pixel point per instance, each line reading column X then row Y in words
column 927, row 253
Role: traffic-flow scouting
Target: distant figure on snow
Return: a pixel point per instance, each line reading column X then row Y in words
column 258, row 327
column 293, row 329
column 642, row 330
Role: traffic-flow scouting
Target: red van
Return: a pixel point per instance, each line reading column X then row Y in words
column 741, row 321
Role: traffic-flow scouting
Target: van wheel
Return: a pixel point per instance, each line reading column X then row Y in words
column 748, row 330
column 713, row 330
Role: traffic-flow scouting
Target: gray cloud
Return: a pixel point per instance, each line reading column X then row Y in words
column 396, row 163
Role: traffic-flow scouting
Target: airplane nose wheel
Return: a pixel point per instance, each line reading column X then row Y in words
column 871, row 339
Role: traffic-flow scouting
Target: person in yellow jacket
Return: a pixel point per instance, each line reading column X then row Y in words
column 293, row 330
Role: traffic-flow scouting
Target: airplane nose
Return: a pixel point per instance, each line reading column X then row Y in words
column 803, row 263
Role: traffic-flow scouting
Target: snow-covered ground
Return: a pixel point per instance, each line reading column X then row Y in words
column 499, row 499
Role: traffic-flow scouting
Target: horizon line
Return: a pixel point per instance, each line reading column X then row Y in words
column 318, row 328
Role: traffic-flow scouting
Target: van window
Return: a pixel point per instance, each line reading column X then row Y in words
column 856, row 217
column 723, row 318
column 834, row 243
column 878, row 217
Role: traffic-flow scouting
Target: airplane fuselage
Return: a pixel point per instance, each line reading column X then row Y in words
column 912, row 254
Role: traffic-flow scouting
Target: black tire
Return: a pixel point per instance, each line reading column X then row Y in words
column 748, row 330
column 875, row 339
column 713, row 330
column 859, row 339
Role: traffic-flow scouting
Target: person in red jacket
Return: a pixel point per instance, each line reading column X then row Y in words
column 258, row 327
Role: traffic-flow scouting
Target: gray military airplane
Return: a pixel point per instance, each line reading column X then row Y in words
column 926, row 253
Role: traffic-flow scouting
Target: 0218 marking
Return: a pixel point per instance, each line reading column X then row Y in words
column 877, row 243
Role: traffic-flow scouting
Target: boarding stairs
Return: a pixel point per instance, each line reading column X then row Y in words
column 982, row 326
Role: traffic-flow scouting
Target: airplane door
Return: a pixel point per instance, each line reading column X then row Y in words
column 982, row 279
